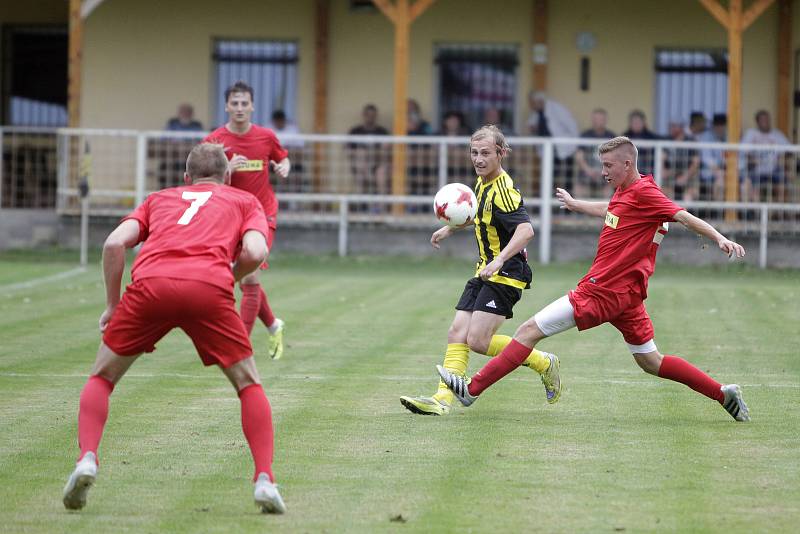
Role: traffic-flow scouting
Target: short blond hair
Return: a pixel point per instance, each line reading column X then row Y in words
column 207, row 160
column 619, row 142
column 493, row 132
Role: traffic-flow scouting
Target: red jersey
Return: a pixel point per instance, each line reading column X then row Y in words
column 634, row 227
column 194, row 232
column 260, row 146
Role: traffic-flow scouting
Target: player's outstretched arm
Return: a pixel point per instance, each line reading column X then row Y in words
column 699, row 226
column 254, row 252
column 523, row 233
column 595, row 209
column 124, row 236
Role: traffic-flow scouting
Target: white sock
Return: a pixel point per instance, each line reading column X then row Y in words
column 275, row 326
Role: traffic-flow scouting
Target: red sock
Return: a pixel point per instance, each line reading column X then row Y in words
column 93, row 413
column 265, row 312
column 679, row 370
column 248, row 309
column 257, row 427
column 512, row 357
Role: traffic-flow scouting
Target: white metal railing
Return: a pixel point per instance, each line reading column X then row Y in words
column 128, row 164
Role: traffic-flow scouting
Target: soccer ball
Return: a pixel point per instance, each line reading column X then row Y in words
column 455, row 204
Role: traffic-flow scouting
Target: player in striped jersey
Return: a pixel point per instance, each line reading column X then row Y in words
column 502, row 230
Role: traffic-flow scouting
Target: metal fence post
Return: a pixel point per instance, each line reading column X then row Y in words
column 762, row 238
column 344, row 209
column 442, row 164
column 84, row 230
column 141, row 167
column 2, row 159
column 545, row 211
column 658, row 165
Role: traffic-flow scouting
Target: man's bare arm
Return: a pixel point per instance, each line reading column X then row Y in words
column 593, row 208
column 699, row 226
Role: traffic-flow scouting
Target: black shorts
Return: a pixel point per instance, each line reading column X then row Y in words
column 489, row 297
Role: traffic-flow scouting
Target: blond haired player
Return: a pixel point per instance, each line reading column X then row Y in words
column 502, row 230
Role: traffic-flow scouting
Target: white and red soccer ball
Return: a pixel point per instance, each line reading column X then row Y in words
column 455, row 204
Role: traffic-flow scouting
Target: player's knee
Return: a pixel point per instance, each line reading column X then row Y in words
column 528, row 333
column 650, row 363
column 478, row 342
column 456, row 334
column 243, row 374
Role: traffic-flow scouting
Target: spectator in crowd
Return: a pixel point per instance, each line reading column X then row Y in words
column 184, row 121
column 637, row 129
column 415, row 124
column 712, row 160
column 549, row 118
column 697, row 125
column 493, row 115
column 281, row 125
column 682, row 164
column 454, row 125
column 369, row 161
column 590, row 182
column 764, row 169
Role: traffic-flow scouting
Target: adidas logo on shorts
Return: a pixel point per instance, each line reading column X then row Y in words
column 491, row 304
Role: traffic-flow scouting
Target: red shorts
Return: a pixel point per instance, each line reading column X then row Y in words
column 595, row 305
column 153, row 306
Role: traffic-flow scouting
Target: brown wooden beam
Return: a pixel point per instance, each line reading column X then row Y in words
column 388, row 9
column 539, row 25
column 734, row 101
column 321, row 46
column 718, row 12
column 754, row 11
column 782, row 109
column 74, row 63
column 419, row 7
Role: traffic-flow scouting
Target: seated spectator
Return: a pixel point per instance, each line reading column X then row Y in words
column 637, row 129
column 764, row 170
column 590, row 182
column 184, row 121
column 281, row 125
column 549, row 118
column 454, row 125
column 697, row 125
column 415, row 124
column 712, row 160
column 681, row 164
column 369, row 161
column 493, row 115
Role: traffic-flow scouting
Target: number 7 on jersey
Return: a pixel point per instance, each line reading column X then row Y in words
column 198, row 198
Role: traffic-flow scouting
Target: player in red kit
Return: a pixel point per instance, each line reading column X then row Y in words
column 182, row 278
column 251, row 150
column 614, row 289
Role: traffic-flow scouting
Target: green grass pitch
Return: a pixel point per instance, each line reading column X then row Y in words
column 621, row 451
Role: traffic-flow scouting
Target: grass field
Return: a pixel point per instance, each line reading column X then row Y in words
column 621, row 451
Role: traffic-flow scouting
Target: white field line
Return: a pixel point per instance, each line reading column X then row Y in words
column 42, row 280
column 389, row 378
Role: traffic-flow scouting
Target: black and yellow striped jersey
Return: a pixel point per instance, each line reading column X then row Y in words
column 500, row 211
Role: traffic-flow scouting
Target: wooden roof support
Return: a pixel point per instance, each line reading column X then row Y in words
column 401, row 13
column 321, row 46
column 782, row 109
column 539, row 26
column 735, row 22
column 74, row 63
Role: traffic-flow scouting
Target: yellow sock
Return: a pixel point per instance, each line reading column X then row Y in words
column 456, row 358
column 536, row 361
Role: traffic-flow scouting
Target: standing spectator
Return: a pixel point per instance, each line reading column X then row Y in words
column 454, row 125
column 681, row 164
column 184, row 121
column 590, row 182
column 764, row 168
column 549, row 118
column 637, row 129
column 415, row 124
column 367, row 160
column 280, row 124
column 712, row 160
